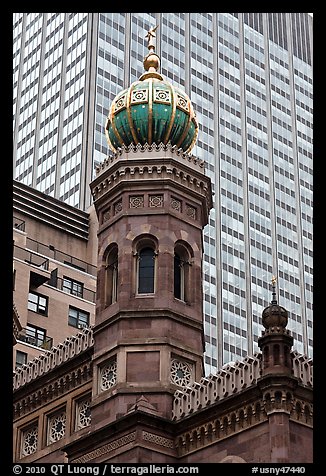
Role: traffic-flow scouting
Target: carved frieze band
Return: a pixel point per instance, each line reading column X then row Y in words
column 221, row 427
column 102, row 450
column 157, row 439
column 60, row 386
column 153, row 172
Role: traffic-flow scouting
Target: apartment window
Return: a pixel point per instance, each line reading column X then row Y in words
column 72, row 287
column 35, row 335
column 38, row 303
column 21, row 358
column 78, row 318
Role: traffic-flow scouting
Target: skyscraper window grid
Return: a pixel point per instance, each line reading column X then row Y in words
column 249, row 77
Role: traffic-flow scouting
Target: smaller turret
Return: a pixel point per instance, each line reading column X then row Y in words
column 276, row 341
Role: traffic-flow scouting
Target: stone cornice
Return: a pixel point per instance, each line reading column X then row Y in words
column 223, row 423
column 156, row 151
column 162, row 164
column 56, row 388
column 150, row 428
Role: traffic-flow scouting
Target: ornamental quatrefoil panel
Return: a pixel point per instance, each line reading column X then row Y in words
column 162, row 96
column 120, row 103
column 139, row 96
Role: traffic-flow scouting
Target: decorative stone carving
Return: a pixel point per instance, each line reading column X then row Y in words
column 157, row 439
column 56, row 427
column 83, row 413
column 191, row 212
column 155, row 201
column 176, row 204
column 181, row 372
column 106, row 215
column 222, row 427
column 108, row 375
column 229, row 380
column 117, row 207
column 197, row 163
column 29, row 440
column 136, row 201
column 102, row 450
column 60, row 386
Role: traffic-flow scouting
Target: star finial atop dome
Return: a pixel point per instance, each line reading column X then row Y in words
column 151, row 60
column 151, row 35
column 274, row 315
column 152, row 110
column 274, row 300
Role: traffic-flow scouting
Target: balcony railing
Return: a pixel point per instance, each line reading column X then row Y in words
column 31, row 258
column 18, row 224
column 43, row 342
column 58, row 255
column 81, row 292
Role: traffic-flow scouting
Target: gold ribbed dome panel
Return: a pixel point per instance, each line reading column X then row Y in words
column 151, row 111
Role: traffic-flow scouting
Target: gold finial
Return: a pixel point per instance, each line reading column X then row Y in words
column 151, row 60
column 150, row 36
column 274, row 300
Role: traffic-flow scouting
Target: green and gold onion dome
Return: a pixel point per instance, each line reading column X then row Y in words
column 152, row 110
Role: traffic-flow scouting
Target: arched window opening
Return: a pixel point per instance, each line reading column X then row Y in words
column 179, row 277
column 112, row 276
column 182, row 271
column 146, row 271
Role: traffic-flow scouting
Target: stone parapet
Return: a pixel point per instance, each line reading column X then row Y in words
column 229, row 380
column 51, row 359
column 302, row 368
column 232, row 379
column 156, row 151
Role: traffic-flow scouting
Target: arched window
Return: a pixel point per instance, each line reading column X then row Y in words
column 111, row 288
column 181, row 271
column 179, row 277
column 146, row 270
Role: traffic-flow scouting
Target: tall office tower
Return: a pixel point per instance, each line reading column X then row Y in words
column 249, row 77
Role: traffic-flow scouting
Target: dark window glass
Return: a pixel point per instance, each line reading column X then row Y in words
column 112, row 276
column 146, row 271
column 35, row 335
column 21, row 358
column 78, row 318
column 177, row 276
column 73, row 287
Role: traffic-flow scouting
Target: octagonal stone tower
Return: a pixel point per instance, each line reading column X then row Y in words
column 152, row 201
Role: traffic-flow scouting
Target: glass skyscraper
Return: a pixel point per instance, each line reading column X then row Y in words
column 249, row 77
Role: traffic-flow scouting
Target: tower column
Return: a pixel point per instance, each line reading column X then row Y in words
column 277, row 382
